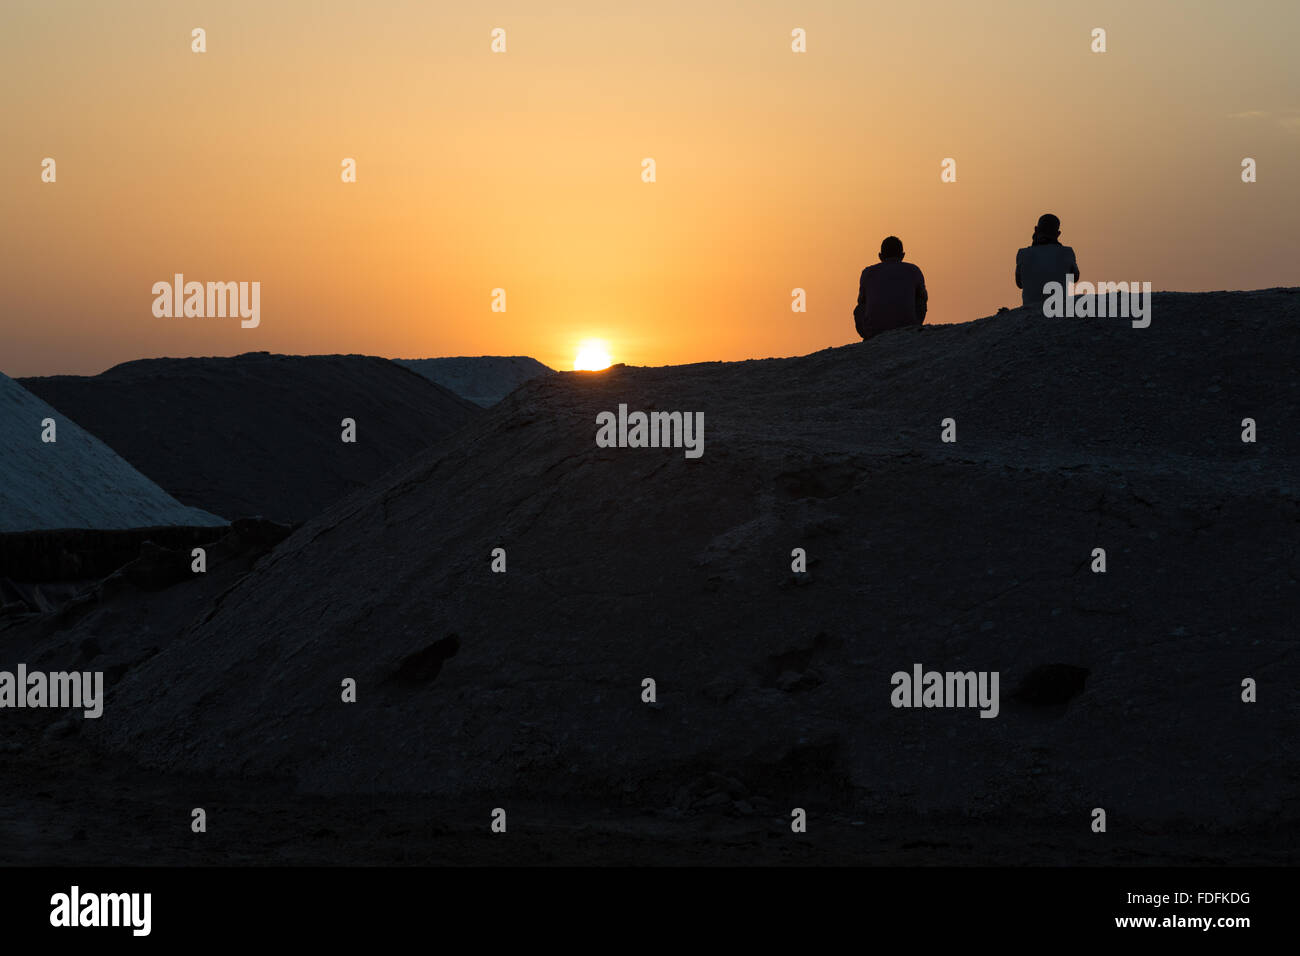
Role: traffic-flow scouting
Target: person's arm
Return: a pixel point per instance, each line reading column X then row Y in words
column 1018, row 285
column 922, row 297
column 1074, row 267
column 860, row 310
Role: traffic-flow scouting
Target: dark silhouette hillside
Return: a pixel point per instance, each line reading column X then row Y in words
column 1119, row 690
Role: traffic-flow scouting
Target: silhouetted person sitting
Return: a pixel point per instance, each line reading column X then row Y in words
column 1044, row 261
column 891, row 295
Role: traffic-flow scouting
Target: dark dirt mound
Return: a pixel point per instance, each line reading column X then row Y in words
column 259, row 434
column 628, row 563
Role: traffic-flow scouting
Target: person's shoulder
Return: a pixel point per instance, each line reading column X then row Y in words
column 913, row 267
column 1068, row 250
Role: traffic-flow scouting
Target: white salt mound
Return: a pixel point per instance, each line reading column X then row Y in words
column 76, row 481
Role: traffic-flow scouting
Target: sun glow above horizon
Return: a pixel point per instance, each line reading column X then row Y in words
column 593, row 356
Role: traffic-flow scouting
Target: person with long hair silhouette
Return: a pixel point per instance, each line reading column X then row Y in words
column 1044, row 260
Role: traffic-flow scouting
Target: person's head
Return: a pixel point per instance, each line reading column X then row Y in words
column 891, row 248
column 1048, row 228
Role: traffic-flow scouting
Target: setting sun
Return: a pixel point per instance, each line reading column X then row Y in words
column 593, row 355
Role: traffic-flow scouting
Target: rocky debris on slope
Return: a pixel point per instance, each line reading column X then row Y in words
column 485, row 379
column 56, row 475
column 117, row 622
column 633, row 563
column 260, row 434
column 88, row 554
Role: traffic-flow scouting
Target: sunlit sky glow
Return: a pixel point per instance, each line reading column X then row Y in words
column 522, row 171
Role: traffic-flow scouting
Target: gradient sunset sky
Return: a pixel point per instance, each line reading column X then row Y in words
column 522, row 170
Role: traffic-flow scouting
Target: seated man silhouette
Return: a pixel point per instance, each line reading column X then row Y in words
column 891, row 294
column 1044, row 260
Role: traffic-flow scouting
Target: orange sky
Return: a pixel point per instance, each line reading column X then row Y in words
column 522, row 170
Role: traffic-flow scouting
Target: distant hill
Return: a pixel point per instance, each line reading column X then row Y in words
column 75, row 481
column 485, row 379
column 259, row 434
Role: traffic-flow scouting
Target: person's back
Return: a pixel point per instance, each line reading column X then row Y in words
column 1044, row 261
column 891, row 294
